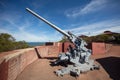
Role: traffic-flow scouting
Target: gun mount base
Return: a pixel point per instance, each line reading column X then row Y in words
column 76, row 70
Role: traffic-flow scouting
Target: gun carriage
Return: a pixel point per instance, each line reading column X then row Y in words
column 79, row 55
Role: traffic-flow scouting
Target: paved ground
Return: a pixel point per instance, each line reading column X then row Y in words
column 41, row 70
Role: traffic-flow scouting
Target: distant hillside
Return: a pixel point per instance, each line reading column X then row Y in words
column 106, row 36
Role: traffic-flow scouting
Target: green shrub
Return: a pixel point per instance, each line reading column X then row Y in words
column 7, row 43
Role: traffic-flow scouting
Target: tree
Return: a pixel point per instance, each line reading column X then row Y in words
column 7, row 43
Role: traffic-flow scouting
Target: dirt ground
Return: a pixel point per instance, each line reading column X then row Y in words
column 109, row 69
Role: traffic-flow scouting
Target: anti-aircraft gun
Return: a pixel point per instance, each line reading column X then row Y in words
column 79, row 55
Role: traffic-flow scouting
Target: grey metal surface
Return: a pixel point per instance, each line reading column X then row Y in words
column 79, row 55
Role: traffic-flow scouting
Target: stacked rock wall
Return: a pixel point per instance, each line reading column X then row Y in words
column 14, row 62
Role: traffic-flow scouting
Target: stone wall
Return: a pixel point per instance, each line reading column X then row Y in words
column 48, row 51
column 13, row 63
column 3, row 70
column 100, row 48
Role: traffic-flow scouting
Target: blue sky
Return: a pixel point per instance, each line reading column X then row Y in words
column 88, row 17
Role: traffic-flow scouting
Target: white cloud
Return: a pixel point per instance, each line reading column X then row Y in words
column 97, row 28
column 93, row 6
column 22, row 30
column 23, row 34
column 42, row 36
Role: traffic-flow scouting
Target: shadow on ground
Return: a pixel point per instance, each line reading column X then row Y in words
column 112, row 66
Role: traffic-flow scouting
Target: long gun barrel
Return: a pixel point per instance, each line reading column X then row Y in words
column 49, row 23
column 79, row 55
